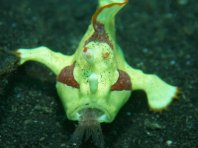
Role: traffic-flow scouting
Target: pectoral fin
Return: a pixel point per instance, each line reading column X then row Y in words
column 53, row 60
column 159, row 93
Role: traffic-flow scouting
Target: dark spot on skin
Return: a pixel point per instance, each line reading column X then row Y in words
column 123, row 82
column 66, row 76
column 85, row 49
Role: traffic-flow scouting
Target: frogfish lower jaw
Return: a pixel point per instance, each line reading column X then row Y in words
column 100, row 114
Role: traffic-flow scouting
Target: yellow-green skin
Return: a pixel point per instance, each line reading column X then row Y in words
column 96, row 74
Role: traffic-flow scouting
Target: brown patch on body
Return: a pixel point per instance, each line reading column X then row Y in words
column 99, row 35
column 85, row 49
column 105, row 55
column 66, row 76
column 123, row 82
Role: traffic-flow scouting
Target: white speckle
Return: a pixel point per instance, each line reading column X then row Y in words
column 141, row 64
column 14, row 25
column 188, row 63
column 63, row 145
column 169, row 142
column 172, row 62
column 182, row 2
column 145, row 50
column 128, row 113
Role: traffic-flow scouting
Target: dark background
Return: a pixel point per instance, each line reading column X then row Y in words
column 157, row 36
